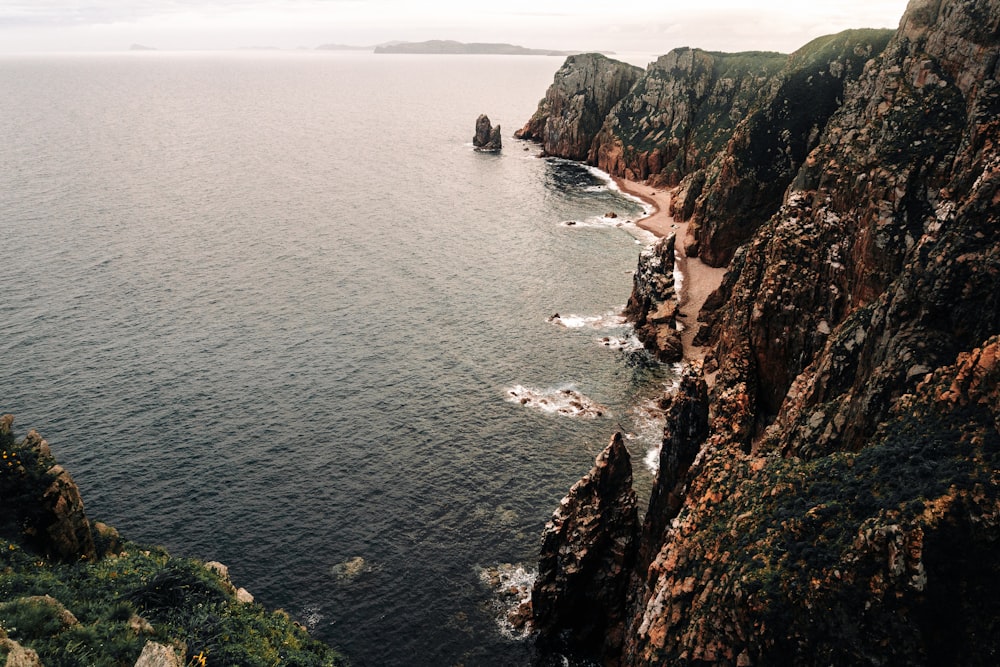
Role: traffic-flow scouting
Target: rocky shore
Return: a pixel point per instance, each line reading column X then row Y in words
column 827, row 490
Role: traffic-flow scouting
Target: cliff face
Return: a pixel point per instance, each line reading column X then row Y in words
column 41, row 501
column 681, row 113
column 588, row 551
column 743, row 185
column 652, row 306
column 843, row 505
column 582, row 93
column 731, row 129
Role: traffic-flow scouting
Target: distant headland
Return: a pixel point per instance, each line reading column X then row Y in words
column 450, row 47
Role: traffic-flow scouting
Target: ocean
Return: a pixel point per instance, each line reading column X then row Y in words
column 272, row 309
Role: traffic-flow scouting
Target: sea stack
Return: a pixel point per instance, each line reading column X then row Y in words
column 487, row 137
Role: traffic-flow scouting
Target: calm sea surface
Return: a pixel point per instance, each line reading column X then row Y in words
column 268, row 309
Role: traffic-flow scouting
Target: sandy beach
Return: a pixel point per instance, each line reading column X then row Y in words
column 698, row 279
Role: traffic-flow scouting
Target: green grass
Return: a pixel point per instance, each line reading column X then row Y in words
column 185, row 604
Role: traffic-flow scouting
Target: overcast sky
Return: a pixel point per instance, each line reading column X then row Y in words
column 638, row 26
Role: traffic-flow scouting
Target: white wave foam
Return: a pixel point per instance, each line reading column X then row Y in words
column 609, row 320
column 622, row 343
column 511, row 586
column 564, row 401
column 647, row 429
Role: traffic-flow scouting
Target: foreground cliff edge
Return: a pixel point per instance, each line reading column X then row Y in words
column 834, row 496
column 72, row 592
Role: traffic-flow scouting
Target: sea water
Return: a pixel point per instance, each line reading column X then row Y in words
column 269, row 309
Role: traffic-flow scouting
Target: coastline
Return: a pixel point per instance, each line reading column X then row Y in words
column 698, row 280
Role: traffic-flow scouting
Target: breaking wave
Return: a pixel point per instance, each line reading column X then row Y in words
column 566, row 402
column 511, row 603
column 609, row 320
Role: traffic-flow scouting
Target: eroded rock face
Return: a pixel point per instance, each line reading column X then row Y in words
column 743, row 185
column 843, row 506
column 685, row 430
column 884, row 556
column 42, row 498
column 652, row 306
column 588, row 550
column 882, row 260
column 487, row 138
column 582, row 93
column 681, row 113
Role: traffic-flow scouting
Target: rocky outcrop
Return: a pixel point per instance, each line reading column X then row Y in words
column 45, row 502
column 681, row 113
column 155, row 654
column 487, row 137
column 588, row 550
column 837, row 500
column 652, row 306
column 743, row 185
column 582, row 93
column 884, row 556
column 17, row 655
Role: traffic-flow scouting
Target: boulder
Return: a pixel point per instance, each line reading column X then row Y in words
column 159, row 655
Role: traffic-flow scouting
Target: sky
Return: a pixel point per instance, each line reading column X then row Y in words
column 624, row 26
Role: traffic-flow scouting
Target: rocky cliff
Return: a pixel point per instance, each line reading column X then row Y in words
column 652, row 306
column 582, row 93
column 834, row 498
column 588, row 553
column 681, row 113
column 42, row 503
column 743, row 184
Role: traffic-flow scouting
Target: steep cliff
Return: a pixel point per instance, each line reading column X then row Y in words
column 41, row 502
column 681, row 113
column 743, row 185
column 652, row 306
column 582, row 93
column 843, row 502
column 588, row 551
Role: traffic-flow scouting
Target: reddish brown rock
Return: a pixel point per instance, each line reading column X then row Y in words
column 680, row 114
column 582, row 93
column 843, row 506
column 588, row 550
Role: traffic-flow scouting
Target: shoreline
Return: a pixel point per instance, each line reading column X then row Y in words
column 698, row 280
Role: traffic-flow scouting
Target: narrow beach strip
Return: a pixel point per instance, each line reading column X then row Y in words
column 699, row 279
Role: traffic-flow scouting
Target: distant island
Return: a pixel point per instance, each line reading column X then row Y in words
column 438, row 46
column 343, row 47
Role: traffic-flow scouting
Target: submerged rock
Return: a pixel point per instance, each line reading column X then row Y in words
column 487, row 137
